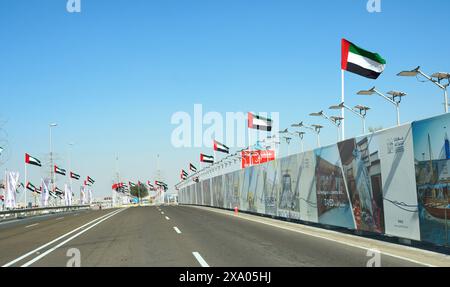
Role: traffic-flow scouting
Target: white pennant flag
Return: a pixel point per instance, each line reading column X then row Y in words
column 67, row 195
column 82, row 196
column 12, row 180
column 45, row 191
column 89, row 196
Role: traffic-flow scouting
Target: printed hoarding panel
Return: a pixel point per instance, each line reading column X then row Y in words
column 248, row 195
column 228, row 190
column 332, row 199
column 198, row 192
column 237, row 183
column 362, row 174
column 207, row 199
column 288, row 182
column 307, row 187
column 271, row 187
column 398, row 180
column 219, row 191
column 392, row 182
column 432, row 165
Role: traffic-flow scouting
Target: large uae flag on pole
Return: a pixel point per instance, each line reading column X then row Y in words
column 360, row 61
column 60, row 170
column 221, row 147
column 206, row 158
column 259, row 123
column 32, row 160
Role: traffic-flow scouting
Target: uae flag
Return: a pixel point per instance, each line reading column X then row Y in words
column 60, row 170
column 182, row 176
column 192, row 167
column 221, row 147
column 58, row 190
column 31, row 187
column 131, row 184
column 150, row 185
column 32, row 160
column 206, row 158
column 259, row 123
column 360, row 61
column 86, row 183
column 74, row 176
column 90, row 180
column 160, row 183
column 183, row 172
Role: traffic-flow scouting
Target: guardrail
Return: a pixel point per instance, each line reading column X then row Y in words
column 21, row 213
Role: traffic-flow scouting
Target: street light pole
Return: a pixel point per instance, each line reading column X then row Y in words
column 52, row 171
column 359, row 110
column 336, row 121
column 440, row 77
column 395, row 100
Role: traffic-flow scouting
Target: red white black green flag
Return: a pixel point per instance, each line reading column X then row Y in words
column 32, row 160
column 360, row 61
column 60, row 170
column 259, row 123
column 74, row 176
column 206, row 158
column 221, row 147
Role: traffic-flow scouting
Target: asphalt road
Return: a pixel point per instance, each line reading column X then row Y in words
column 178, row 236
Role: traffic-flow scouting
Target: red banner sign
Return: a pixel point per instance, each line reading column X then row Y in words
column 256, row 157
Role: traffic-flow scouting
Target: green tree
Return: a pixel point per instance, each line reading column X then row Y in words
column 139, row 191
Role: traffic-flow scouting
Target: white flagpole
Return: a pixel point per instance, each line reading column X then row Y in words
column 343, row 109
column 25, row 186
column 250, row 146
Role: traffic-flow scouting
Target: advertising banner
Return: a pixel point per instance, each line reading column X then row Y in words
column 333, row 203
column 307, row 186
column 432, row 166
column 256, row 157
column 394, row 182
column 398, row 180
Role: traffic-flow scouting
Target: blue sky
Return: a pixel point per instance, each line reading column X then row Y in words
column 113, row 75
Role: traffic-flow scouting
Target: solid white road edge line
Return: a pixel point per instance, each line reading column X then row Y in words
column 200, row 259
column 53, row 241
column 67, row 240
column 330, row 239
column 177, row 230
column 31, row 225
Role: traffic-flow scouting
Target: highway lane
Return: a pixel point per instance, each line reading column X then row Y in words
column 20, row 236
column 184, row 236
column 136, row 237
column 225, row 241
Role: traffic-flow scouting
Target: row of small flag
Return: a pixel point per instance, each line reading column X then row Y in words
column 254, row 122
column 122, row 187
column 34, row 161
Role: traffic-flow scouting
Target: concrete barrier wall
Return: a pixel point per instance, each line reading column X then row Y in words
column 394, row 182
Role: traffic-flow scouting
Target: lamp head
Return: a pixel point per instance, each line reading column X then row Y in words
column 411, row 73
column 362, row 108
column 299, row 125
column 337, row 107
column 367, row 92
column 441, row 76
column 319, row 114
column 396, row 94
